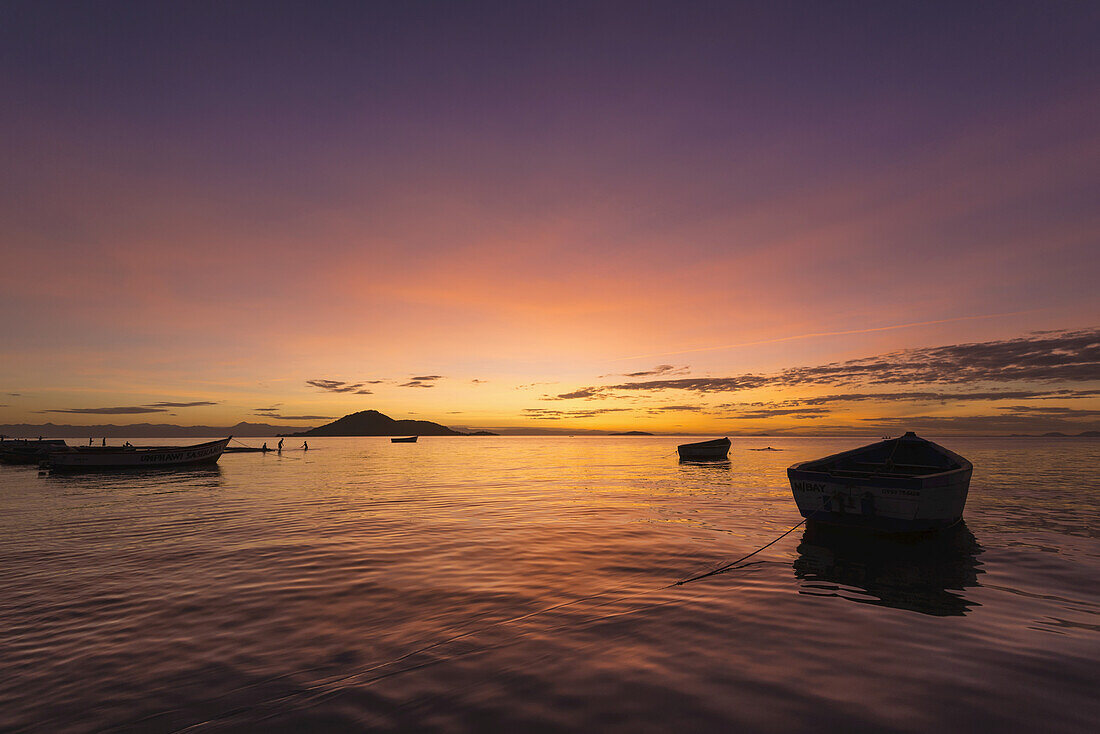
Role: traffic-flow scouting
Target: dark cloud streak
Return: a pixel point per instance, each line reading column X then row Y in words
column 422, row 381
column 126, row 410
column 1066, row 356
column 340, row 386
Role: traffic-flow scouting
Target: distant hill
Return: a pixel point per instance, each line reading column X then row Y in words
column 482, row 433
column 631, row 433
column 373, row 423
column 140, row 430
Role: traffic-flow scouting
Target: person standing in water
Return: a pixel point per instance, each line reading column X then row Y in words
column 305, row 446
column 280, row 445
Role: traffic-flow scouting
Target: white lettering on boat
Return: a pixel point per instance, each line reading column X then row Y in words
column 177, row 455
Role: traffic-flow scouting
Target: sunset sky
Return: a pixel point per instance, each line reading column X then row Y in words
column 677, row 217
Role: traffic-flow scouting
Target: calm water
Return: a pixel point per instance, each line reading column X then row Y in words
column 370, row 585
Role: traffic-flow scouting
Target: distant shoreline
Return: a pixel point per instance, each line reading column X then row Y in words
column 74, row 432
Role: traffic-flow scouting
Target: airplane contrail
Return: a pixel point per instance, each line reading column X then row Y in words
column 824, row 333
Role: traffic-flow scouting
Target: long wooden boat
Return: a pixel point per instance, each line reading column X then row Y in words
column 28, row 450
column 905, row 484
column 134, row 457
column 410, row 439
column 715, row 450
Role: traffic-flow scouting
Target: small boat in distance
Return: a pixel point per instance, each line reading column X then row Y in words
column 905, row 484
column 715, row 450
column 134, row 457
column 410, row 439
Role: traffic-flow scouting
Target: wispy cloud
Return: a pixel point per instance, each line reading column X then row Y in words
column 763, row 413
column 422, row 381
column 1066, row 356
column 675, row 408
column 282, row 417
column 124, row 410
column 920, row 397
column 661, row 369
column 340, row 386
column 1010, row 423
column 584, row 392
column 547, row 414
column 1057, row 411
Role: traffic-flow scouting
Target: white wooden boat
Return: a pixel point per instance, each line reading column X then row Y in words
column 904, row 484
column 134, row 457
column 715, row 450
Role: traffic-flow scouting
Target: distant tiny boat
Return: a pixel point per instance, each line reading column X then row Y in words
column 905, row 484
column 715, row 450
column 410, row 439
column 133, row 457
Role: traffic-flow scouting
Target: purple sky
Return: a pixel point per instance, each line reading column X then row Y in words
column 216, row 203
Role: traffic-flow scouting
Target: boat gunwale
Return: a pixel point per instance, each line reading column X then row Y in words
column 963, row 464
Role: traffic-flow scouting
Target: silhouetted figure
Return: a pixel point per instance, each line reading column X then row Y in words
column 280, row 445
column 104, row 440
column 305, row 446
column 264, row 447
column 89, row 441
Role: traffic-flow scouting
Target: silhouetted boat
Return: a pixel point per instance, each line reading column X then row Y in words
column 133, row 457
column 904, row 484
column 28, row 450
column 715, row 450
column 410, row 439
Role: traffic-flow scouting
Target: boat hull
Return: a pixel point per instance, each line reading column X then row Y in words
column 410, row 439
column 880, row 503
column 716, row 450
column 138, row 458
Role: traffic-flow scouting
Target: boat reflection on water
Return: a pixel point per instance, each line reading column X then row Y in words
column 706, row 464
column 202, row 476
column 921, row 574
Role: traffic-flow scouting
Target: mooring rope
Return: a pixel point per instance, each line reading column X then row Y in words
column 731, row 564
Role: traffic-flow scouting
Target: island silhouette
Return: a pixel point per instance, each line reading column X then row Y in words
column 373, row 423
